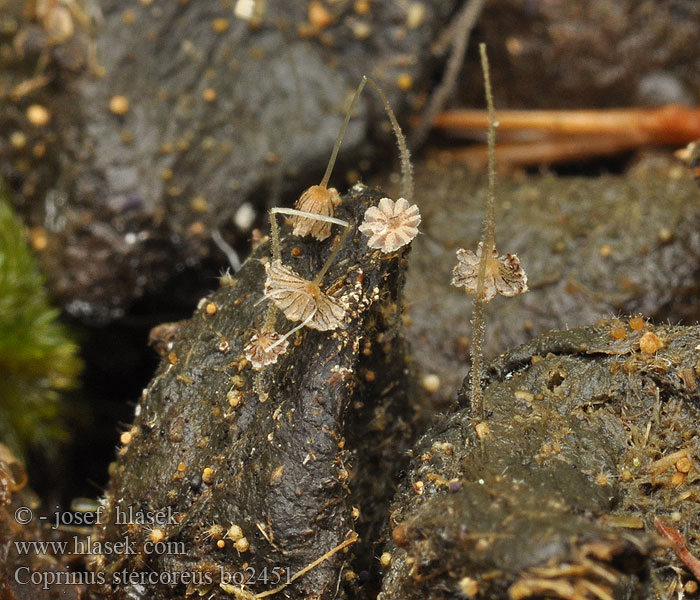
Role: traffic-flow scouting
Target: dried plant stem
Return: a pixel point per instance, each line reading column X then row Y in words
column 341, row 134
column 406, row 167
column 553, row 136
column 679, row 547
column 460, row 39
column 666, row 125
column 487, row 244
column 351, row 540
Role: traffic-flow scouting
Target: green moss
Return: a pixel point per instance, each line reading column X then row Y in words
column 38, row 359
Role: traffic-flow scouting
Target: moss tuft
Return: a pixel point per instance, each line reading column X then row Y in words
column 38, row 359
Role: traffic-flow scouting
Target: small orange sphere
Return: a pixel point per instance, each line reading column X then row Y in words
column 119, row 105
column 650, row 343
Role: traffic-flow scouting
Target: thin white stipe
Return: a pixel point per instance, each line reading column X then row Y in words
column 230, row 253
column 297, row 328
column 301, row 213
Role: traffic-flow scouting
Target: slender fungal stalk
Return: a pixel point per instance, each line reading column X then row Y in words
column 224, row 246
column 341, row 135
column 490, row 221
column 275, row 232
column 487, row 244
column 292, row 331
column 477, row 353
column 302, row 213
column 406, row 167
column 331, row 258
column 271, row 310
column 307, row 568
column 290, row 211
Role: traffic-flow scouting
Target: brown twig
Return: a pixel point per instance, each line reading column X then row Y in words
column 460, row 33
column 242, row 594
column 351, row 540
column 679, row 547
column 672, row 124
column 544, row 136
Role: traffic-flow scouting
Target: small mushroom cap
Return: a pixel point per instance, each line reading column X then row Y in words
column 504, row 275
column 302, row 300
column 318, row 200
column 391, row 225
column 265, row 348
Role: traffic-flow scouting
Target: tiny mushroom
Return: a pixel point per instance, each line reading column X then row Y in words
column 504, row 275
column 318, row 200
column 302, row 300
column 391, row 225
column 264, row 348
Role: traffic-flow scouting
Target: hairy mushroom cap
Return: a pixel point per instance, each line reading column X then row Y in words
column 318, row 200
column 390, row 225
column 302, row 300
column 264, row 348
column 504, row 275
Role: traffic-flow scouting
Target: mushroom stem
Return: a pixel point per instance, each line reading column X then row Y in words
column 406, row 168
column 308, row 215
column 341, row 134
column 329, row 261
column 487, row 244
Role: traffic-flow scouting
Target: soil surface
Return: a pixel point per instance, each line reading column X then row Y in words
column 591, row 435
column 591, row 247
